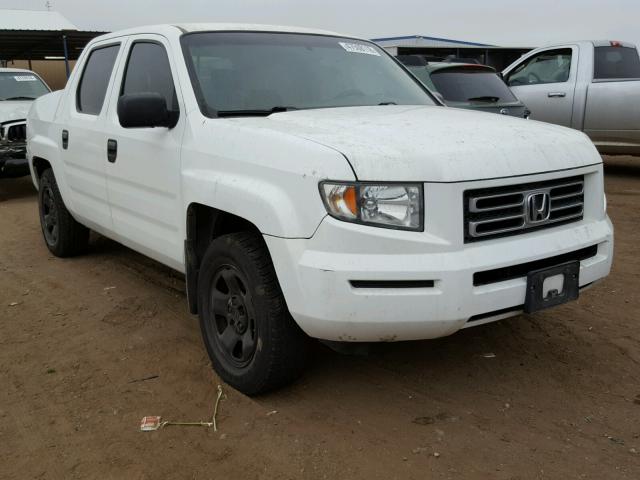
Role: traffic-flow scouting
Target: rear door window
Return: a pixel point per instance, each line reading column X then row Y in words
column 550, row 66
column 616, row 63
column 93, row 85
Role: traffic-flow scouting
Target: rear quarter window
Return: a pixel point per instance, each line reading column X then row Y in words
column 616, row 63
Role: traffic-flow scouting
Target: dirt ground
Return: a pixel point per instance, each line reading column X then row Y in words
column 80, row 338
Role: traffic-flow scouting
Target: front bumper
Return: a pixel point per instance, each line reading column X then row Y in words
column 13, row 160
column 318, row 290
column 317, row 274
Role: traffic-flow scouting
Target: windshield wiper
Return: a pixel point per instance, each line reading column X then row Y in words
column 254, row 113
column 484, row 99
column 19, row 98
column 387, row 103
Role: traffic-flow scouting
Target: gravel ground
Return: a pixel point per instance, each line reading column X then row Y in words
column 88, row 346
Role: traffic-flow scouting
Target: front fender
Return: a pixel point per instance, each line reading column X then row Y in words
column 41, row 133
column 268, row 178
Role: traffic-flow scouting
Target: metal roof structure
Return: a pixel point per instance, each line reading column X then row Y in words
column 34, row 20
column 442, row 48
column 40, row 35
column 425, row 41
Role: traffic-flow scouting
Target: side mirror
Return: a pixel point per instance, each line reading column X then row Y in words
column 140, row 110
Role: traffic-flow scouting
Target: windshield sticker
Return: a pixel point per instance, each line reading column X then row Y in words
column 24, row 78
column 359, row 48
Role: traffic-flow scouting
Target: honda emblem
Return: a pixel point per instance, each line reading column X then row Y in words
column 538, row 207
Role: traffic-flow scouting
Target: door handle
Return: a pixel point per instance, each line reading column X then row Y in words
column 112, row 150
column 65, row 139
column 556, row 94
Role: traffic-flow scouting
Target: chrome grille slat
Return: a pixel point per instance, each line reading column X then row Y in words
column 564, row 207
column 507, row 210
column 567, row 217
column 502, row 207
column 473, row 206
column 493, row 232
column 572, row 184
column 569, row 195
column 499, row 219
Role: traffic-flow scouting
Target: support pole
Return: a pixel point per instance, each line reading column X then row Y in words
column 66, row 55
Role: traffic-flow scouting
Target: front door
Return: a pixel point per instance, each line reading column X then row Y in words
column 545, row 82
column 143, row 168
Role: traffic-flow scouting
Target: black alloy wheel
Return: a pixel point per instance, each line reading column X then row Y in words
column 234, row 320
column 49, row 216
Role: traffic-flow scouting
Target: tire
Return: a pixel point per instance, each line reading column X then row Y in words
column 63, row 236
column 252, row 340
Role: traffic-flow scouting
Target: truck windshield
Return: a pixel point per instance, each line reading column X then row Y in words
column 21, row 86
column 247, row 73
column 471, row 85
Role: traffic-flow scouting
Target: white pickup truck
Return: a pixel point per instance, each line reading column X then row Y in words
column 308, row 186
column 18, row 89
column 592, row 86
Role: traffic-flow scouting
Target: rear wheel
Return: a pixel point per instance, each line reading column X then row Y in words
column 253, row 342
column 63, row 235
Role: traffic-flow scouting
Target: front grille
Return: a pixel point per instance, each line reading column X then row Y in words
column 13, row 131
column 16, row 133
column 13, row 136
column 514, row 209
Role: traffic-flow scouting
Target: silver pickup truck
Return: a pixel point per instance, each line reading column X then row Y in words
column 592, row 86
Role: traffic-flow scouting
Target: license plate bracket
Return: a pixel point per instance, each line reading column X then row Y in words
column 535, row 299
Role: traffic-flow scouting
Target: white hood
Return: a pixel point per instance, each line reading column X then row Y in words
column 14, row 110
column 434, row 144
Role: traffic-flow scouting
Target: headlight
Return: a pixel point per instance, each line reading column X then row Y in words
column 388, row 205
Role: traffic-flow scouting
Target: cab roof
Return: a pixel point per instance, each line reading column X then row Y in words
column 207, row 27
column 173, row 29
column 14, row 70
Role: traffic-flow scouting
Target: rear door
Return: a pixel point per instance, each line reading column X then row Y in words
column 82, row 137
column 612, row 116
column 144, row 176
column 545, row 82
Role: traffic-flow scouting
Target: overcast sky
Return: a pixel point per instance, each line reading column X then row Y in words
column 501, row 22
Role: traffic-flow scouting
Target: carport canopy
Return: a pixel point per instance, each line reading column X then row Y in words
column 40, row 35
column 42, row 44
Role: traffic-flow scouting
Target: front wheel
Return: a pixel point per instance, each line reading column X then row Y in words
column 253, row 342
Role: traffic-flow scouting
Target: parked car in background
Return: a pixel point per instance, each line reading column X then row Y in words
column 593, row 86
column 471, row 86
column 18, row 89
column 308, row 186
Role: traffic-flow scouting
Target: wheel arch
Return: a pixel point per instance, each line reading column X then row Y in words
column 205, row 224
column 39, row 166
